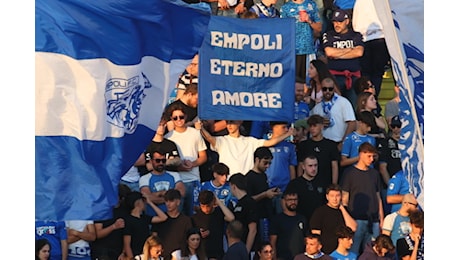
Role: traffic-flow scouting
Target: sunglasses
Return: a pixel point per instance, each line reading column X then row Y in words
column 160, row 160
column 175, row 118
column 324, row 89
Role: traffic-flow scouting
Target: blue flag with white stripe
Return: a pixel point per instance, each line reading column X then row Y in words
column 104, row 70
column 402, row 22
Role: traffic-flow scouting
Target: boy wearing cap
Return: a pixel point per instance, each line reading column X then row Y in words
column 344, row 48
column 349, row 153
column 390, row 157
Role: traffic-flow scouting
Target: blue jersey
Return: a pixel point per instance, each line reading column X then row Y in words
column 157, row 183
column 54, row 232
column 284, row 155
column 397, row 184
column 350, row 147
column 304, row 38
column 222, row 193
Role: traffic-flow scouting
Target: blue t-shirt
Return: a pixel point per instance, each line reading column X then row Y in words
column 54, row 232
column 338, row 256
column 284, row 155
column 223, row 192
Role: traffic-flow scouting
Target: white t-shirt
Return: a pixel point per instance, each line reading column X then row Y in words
column 341, row 112
column 237, row 153
column 189, row 144
column 80, row 248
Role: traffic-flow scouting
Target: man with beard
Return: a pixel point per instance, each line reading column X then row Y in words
column 155, row 183
column 288, row 229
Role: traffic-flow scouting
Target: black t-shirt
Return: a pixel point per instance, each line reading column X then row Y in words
column 389, row 153
column 310, row 196
column 139, row 230
column 258, row 183
column 290, row 232
column 327, row 220
column 113, row 242
column 325, row 151
column 363, row 187
column 215, row 223
column 173, row 231
column 245, row 211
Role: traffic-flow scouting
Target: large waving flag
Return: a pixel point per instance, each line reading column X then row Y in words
column 104, row 71
column 402, row 22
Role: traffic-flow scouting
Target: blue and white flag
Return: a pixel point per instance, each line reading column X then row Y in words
column 247, row 70
column 402, row 22
column 104, row 70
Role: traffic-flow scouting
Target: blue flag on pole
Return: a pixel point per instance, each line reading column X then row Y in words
column 247, row 70
column 104, row 70
column 402, row 22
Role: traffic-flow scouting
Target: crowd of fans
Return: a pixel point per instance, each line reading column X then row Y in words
column 328, row 185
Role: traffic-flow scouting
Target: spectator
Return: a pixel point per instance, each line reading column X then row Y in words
column 375, row 56
column 157, row 182
column 389, row 158
column 265, row 9
column 237, row 249
column 300, row 133
column 283, row 165
column 327, row 218
column 192, row 149
column 345, row 240
column 338, row 113
column 219, row 184
column 317, row 71
column 325, row 151
column 188, row 102
column 191, row 248
column 56, row 234
column 310, row 196
column 79, row 234
column 366, row 101
column 412, row 245
column 392, row 106
column 109, row 232
column 174, row 230
column 344, row 48
column 236, row 150
column 258, row 188
column 397, row 224
column 137, row 223
column 361, row 194
column 152, row 250
column 307, row 24
column 313, row 249
column 264, row 251
column 350, row 148
column 382, row 248
column 244, row 210
column 211, row 218
column 189, row 76
column 288, row 229
column 42, row 249
column 398, row 186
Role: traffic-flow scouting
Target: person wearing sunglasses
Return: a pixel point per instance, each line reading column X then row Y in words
column 337, row 111
column 397, row 224
column 157, row 181
column 192, row 150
